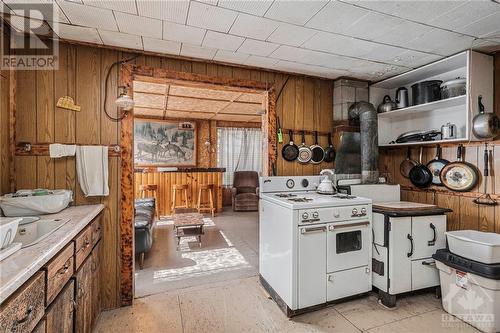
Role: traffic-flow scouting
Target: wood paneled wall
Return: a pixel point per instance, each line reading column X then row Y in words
column 466, row 214
column 5, row 155
column 305, row 103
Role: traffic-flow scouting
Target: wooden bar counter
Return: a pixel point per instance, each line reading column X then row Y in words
column 190, row 176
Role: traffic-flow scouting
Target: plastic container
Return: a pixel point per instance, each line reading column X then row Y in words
column 475, row 245
column 8, row 230
column 470, row 291
column 35, row 204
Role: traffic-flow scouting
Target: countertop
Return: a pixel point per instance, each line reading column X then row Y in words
column 403, row 208
column 148, row 170
column 19, row 267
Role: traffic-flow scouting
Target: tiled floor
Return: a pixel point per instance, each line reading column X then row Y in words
column 234, row 301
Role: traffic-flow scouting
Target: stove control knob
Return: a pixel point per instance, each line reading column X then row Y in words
column 354, row 212
column 336, row 214
column 305, row 216
column 363, row 211
column 315, row 215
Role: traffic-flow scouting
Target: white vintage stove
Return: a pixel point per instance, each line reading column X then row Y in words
column 314, row 248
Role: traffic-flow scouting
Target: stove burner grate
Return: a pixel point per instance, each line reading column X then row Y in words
column 344, row 196
column 301, row 199
column 286, row 195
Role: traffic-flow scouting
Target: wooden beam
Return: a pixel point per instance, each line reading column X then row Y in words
column 12, row 129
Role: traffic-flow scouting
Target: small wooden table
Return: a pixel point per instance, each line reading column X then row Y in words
column 188, row 224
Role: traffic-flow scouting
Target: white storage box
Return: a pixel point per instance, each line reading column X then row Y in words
column 36, row 205
column 475, row 245
column 470, row 291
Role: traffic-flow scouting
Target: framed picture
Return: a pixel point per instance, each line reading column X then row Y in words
column 163, row 143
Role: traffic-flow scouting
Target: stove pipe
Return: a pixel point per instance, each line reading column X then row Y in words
column 367, row 115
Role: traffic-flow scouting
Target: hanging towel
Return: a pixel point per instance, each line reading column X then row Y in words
column 57, row 150
column 92, row 170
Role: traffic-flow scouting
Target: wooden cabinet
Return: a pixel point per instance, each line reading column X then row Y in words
column 59, row 271
column 96, row 282
column 83, row 320
column 83, row 246
column 23, row 311
column 60, row 314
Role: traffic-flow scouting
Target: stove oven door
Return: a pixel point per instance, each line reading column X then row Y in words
column 348, row 245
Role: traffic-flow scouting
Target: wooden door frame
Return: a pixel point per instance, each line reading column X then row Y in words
column 128, row 72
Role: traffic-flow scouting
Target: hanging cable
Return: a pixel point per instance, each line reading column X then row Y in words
column 120, row 62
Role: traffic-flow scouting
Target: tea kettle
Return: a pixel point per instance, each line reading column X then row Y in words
column 387, row 105
column 326, row 184
column 402, row 98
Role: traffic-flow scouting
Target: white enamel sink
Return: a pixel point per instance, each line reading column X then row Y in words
column 25, row 204
column 33, row 230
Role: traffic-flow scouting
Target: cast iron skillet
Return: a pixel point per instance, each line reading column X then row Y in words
column 317, row 151
column 305, row 152
column 420, row 175
column 407, row 164
column 290, row 151
column 329, row 151
column 436, row 165
column 459, row 176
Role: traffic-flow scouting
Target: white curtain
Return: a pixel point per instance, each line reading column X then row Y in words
column 238, row 149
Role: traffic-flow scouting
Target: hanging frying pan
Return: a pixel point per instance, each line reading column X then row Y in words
column 407, row 164
column 290, row 151
column 436, row 165
column 329, row 151
column 459, row 176
column 420, row 175
column 305, row 153
column 317, row 151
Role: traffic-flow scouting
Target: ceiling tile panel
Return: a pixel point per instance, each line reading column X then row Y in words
column 440, row 41
column 309, row 57
column 296, row 12
column 254, row 7
column 488, row 26
column 337, row 17
column 161, row 46
column 258, row 61
column 84, row 34
column 222, row 41
column 233, row 57
column 55, row 12
column 89, row 16
column 210, row 17
column 373, row 25
column 400, row 35
column 173, row 11
column 257, row 47
column 120, row 39
column 253, row 27
column 196, row 51
column 291, row 35
column 139, row 25
column 338, row 44
column 126, row 6
column 183, row 33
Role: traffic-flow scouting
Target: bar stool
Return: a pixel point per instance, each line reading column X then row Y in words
column 148, row 191
column 182, row 188
column 206, row 206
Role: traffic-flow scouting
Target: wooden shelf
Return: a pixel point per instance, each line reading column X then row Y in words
column 427, row 107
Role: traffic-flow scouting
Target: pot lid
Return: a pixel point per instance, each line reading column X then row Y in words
column 453, row 82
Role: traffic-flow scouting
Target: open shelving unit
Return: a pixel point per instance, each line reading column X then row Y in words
column 475, row 67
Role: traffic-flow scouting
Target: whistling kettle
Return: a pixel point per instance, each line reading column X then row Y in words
column 326, row 184
column 387, row 105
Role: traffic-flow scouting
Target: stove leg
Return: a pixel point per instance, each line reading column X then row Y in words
column 438, row 292
column 387, row 299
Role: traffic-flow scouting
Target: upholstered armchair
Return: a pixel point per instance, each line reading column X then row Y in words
column 245, row 191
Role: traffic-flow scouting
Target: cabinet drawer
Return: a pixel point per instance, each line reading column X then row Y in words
column 96, row 230
column 83, row 246
column 348, row 283
column 25, row 308
column 424, row 274
column 59, row 271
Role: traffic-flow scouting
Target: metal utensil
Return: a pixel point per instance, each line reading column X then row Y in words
column 485, row 125
column 305, row 152
column 290, row 151
column 486, row 198
column 459, row 176
column 318, row 153
column 402, row 98
column 420, row 175
column 387, row 105
column 436, row 165
column 407, row 164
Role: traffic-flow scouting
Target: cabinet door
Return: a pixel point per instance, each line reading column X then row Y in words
column 83, row 319
column 399, row 261
column 428, row 235
column 96, row 283
column 60, row 313
column 312, row 266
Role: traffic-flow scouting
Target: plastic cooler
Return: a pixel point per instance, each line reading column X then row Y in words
column 470, row 290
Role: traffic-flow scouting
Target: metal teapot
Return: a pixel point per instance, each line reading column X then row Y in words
column 387, row 105
column 402, row 98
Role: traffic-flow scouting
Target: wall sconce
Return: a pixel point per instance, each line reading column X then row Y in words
column 208, row 146
column 124, row 101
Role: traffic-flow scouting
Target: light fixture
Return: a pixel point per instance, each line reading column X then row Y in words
column 124, row 101
column 208, row 146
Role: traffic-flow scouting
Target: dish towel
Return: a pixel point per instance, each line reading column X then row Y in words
column 92, row 170
column 57, row 150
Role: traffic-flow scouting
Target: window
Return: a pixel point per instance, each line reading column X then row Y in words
column 238, row 149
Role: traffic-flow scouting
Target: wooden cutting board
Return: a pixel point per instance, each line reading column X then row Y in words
column 402, row 206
